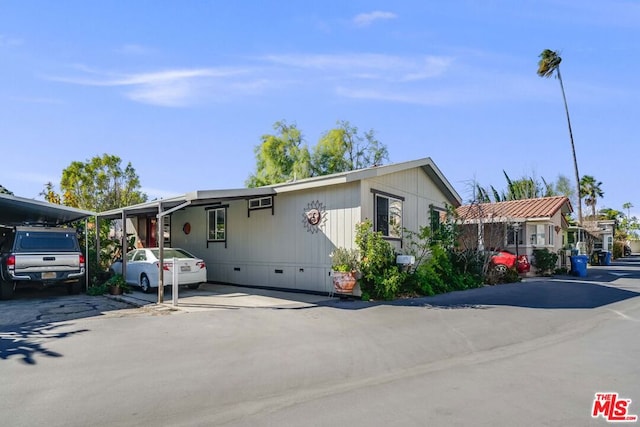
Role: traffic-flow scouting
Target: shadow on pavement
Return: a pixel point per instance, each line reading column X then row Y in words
column 535, row 294
column 35, row 317
column 24, row 342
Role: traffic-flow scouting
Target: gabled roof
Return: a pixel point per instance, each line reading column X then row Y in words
column 515, row 210
column 16, row 210
column 204, row 197
column 426, row 164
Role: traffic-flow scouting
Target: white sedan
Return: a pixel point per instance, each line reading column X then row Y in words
column 143, row 265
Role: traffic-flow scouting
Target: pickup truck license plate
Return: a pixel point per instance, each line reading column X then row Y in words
column 49, row 275
column 185, row 268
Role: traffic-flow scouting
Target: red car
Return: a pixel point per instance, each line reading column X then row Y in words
column 503, row 260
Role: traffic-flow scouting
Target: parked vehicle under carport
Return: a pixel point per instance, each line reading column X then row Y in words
column 143, row 266
column 40, row 257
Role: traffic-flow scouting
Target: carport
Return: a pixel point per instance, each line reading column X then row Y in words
column 163, row 207
column 16, row 210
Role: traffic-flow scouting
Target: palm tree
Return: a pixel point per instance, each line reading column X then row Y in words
column 3, row 190
column 590, row 190
column 548, row 65
column 628, row 207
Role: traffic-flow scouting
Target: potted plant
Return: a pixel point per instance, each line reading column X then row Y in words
column 345, row 264
column 117, row 285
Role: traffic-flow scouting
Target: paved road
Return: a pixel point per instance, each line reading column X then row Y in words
column 528, row 354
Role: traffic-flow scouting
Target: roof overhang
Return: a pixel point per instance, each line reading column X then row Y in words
column 426, row 164
column 195, row 198
column 16, row 210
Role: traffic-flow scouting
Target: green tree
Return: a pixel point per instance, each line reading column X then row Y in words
column 627, row 206
column 100, row 184
column 50, row 195
column 548, row 65
column 281, row 157
column 4, row 190
column 590, row 190
column 344, row 149
column 284, row 157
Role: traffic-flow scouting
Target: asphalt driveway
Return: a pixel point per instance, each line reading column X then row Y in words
column 256, row 357
column 603, row 285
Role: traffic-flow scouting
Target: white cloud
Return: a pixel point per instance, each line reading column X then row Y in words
column 370, row 66
column 168, row 88
column 366, row 19
column 188, row 86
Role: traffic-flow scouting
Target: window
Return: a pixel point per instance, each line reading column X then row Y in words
column 512, row 233
column 217, row 224
column 434, row 220
column 551, row 233
column 140, row 256
column 260, row 203
column 388, row 218
column 537, row 233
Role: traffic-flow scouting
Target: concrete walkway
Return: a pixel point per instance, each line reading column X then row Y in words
column 211, row 296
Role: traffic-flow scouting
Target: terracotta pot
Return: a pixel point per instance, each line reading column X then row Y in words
column 344, row 282
column 115, row 290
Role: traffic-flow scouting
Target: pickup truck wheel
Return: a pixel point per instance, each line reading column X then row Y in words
column 6, row 290
column 194, row 286
column 145, row 286
column 73, row 288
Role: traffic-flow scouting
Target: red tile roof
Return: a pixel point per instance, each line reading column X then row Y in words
column 544, row 207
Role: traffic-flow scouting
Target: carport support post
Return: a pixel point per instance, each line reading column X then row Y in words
column 97, row 246
column 174, row 287
column 160, row 239
column 124, row 244
column 86, row 251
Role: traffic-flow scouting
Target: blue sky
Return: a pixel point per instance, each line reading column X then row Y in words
column 184, row 89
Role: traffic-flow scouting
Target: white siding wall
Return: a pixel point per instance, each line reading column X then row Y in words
column 417, row 189
column 275, row 250
column 278, row 250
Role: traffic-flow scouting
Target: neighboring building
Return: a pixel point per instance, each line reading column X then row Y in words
column 519, row 226
column 602, row 232
column 281, row 235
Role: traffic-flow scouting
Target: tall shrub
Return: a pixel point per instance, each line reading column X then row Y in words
column 381, row 277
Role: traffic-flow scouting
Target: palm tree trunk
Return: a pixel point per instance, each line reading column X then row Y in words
column 573, row 149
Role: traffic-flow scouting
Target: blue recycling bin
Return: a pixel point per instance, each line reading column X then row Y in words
column 607, row 258
column 579, row 265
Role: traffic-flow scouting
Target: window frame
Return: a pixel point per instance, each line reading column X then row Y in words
column 376, row 222
column 214, row 210
column 511, row 236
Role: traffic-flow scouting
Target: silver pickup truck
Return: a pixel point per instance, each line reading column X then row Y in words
column 40, row 256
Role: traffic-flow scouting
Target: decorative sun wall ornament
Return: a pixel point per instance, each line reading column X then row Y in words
column 314, row 216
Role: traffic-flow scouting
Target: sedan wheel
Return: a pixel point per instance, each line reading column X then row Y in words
column 145, row 286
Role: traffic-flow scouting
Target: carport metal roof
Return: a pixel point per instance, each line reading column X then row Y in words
column 16, row 210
